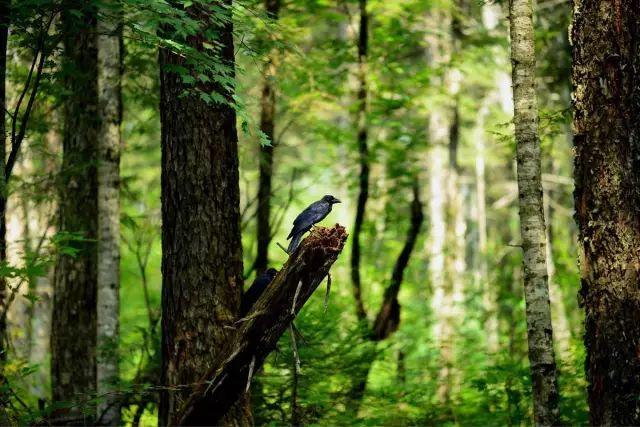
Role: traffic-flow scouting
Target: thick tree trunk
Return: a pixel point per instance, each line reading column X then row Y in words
column 267, row 126
column 532, row 227
column 255, row 336
column 202, row 251
column 363, row 152
column 606, row 64
column 109, row 92
column 73, row 337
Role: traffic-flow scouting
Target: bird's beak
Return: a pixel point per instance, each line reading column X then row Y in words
column 336, row 200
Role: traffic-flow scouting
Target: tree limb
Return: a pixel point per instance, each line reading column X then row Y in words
column 261, row 328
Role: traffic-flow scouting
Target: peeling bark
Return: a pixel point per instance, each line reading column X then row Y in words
column 606, row 64
column 532, row 226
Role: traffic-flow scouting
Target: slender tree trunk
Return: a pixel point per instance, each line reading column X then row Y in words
column 452, row 292
column 43, row 286
column 16, row 237
column 109, row 92
column 4, row 35
column 489, row 300
column 267, row 125
column 606, row 76
column 202, row 251
column 532, row 227
column 73, row 336
column 363, row 151
column 447, row 217
column 388, row 317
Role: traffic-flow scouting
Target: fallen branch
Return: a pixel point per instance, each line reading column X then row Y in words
column 256, row 337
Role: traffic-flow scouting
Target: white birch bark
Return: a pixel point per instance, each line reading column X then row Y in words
column 108, row 215
column 532, row 226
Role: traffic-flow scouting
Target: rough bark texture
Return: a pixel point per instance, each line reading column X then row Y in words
column 108, row 311
column 202, row 251
column 606, row 60
column 267, row 125
column 256, row 335
column 532, row 227
column 363, row 151
column 73, row 337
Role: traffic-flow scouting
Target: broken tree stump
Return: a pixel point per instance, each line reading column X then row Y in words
column 258, row 332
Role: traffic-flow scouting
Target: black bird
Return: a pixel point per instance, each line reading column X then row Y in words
column 256, row 289
column 316, row 212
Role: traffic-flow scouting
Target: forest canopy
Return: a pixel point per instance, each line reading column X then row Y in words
column 324, row 212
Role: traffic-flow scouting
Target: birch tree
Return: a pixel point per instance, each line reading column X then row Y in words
column 108, row 169
column 532, row 227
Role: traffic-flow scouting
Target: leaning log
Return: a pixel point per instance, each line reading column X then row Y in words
column 259, row 331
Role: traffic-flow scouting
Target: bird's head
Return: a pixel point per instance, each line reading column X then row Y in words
column 330, row 199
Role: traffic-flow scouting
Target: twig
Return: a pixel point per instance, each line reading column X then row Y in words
column 326, row 295
column 251, row 366
column 295, row 298
column 17, row 141
column 294, row 347
column 283, row 248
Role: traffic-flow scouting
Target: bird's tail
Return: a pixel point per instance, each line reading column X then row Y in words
column 295, row 242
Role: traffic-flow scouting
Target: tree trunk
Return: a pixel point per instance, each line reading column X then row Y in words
column 4, row 35
column 606, row 60
column 363, row 151
column 489, row 299
column 201, row 246
column 532, row 227
column 388, row 318
column 109, row 76
column 43, row 286
column 73, row 337
column 447, row 220
column 267, row 125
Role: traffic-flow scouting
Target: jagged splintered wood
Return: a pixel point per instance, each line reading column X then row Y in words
column 258, row 332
